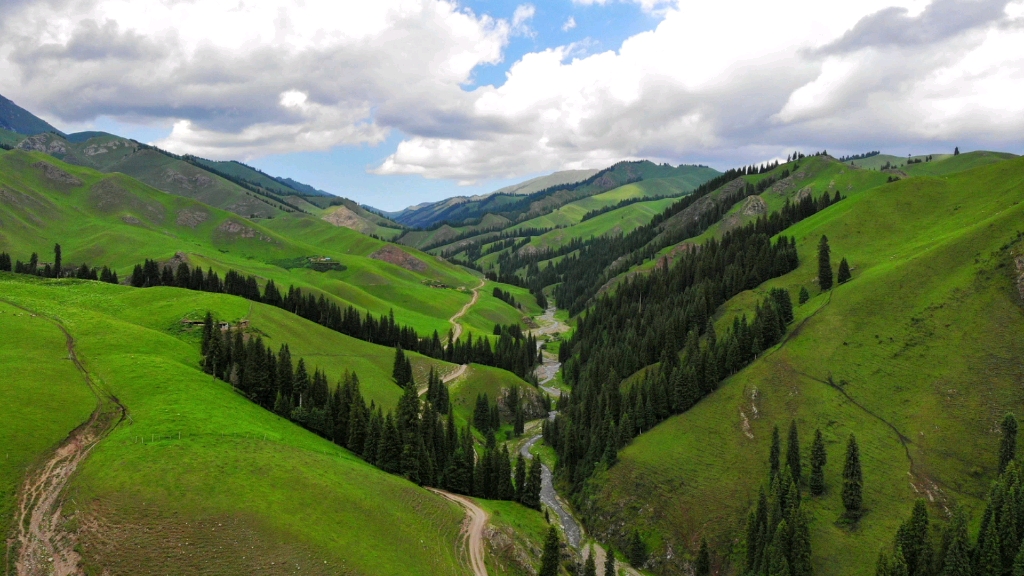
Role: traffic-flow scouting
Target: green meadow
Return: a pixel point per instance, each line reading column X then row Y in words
column 933, row 279
column 198, row 477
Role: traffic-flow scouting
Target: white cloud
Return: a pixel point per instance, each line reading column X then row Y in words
column 715, row 81
column 520, row 18
column 569, row 24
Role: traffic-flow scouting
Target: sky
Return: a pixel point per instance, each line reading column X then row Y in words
column 396, row 102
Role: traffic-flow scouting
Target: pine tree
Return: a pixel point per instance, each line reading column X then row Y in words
column 589, row 568
column 957, row 561
column 609, row 563
column 899, row 564
column 702, row 566
column 853, row 479
column 800, row 545
column 637, row 550
column 550, row 558
column 775, row 453
column 956, row 151
column 824, row 265
column 1008, row 443
column 793, row 452
column 804, row 295
column 818, row 460
column 520, row 477
column 57, row 264
column 775, row 557
column 531, row 491
column 989, row 562
column 844, row 272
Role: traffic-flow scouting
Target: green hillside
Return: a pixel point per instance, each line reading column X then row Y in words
column 113, row 220
column 933, row 279
column 199, row 479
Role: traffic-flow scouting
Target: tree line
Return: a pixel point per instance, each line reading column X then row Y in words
column 57, row 268
column 417, row 440
column 513, row 351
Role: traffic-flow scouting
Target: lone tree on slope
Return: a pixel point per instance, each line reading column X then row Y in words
column 824, row 265
column 793, row 453
column 57, row 265
column 818, row 459
column 804, row 295
column 549, row 559
column 844, row 272
column 1008, row 444
column 853, row 480
column 775, row 453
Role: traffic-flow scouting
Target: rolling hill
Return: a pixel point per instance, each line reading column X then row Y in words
column 935, row 275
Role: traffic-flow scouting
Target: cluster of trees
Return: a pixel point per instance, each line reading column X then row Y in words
column 487, row 417
column 996, row 551
column 514, row 353
column 778, row 535
column 863, row 156
column 620, row 204
column 825, row 268
column 506, row 297
column 57, row 269
column 415, row 441
column 597, row 420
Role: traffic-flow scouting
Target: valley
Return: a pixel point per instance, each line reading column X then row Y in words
column 211, row 370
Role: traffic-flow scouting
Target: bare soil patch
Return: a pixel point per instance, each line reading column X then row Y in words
column 395, row 255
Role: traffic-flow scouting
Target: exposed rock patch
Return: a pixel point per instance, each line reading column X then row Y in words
column 51, row 172
column 395, row 255
column 108, row 196
column 45, row 143
column 191, row 218
column 187, row 182
column 129, row 219
column 105, row 147
column 753, row 206
column 345, row 218
column 239, row 230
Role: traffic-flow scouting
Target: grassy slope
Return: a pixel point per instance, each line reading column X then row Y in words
column 237, row 479
column 930, row 284
column 44, row 398
column 112, row 219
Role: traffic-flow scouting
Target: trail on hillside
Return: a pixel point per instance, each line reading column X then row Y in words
column 473, row 529
column 455, row 373
column 44, row 547
column 456, row 327
column 921, row 483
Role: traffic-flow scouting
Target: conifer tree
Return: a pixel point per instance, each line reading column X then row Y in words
column 824, row 265
column 793, row 452
column 1008, row 443
column 843, row 275
column 520, row 477
column 800, row 545
column 702, row 566
column 776, row 563
column 899, row 564
column 589, row 568
column 531, row 491
column 853, row 479
column 818, row 461
column 609, row 563
column 637, row 550
column 957, row 560
column 804, row 295
column 774, row 455
column 57, row 263
column 550, row 558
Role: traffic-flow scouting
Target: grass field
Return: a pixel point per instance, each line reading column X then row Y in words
column 200, row 479
column 522, row 533
column 931, row 282
column 114, row 220
column 43, row 395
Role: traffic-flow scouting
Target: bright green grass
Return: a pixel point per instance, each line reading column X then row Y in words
column 526, row 529
column 621, row 221
column 10, row 138
column 573, row 212
column 240, row 487
column 114, row 220
column 924, row 336
column 478, row 380
column 43, row 395
column 951, row 164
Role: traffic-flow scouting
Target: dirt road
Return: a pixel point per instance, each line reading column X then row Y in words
column 41, row 544
column 456, row 327
column 473, row 528
column 455, row 373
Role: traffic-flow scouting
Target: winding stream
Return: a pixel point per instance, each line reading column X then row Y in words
column 545, row 373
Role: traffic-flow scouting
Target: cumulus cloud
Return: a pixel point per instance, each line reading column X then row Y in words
column 713, row 81
column 570, row 23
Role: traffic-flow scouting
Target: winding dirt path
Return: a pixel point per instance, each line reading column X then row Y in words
column 473, row 528
column 40, row 543
column 455, row 373
column 456, row 327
